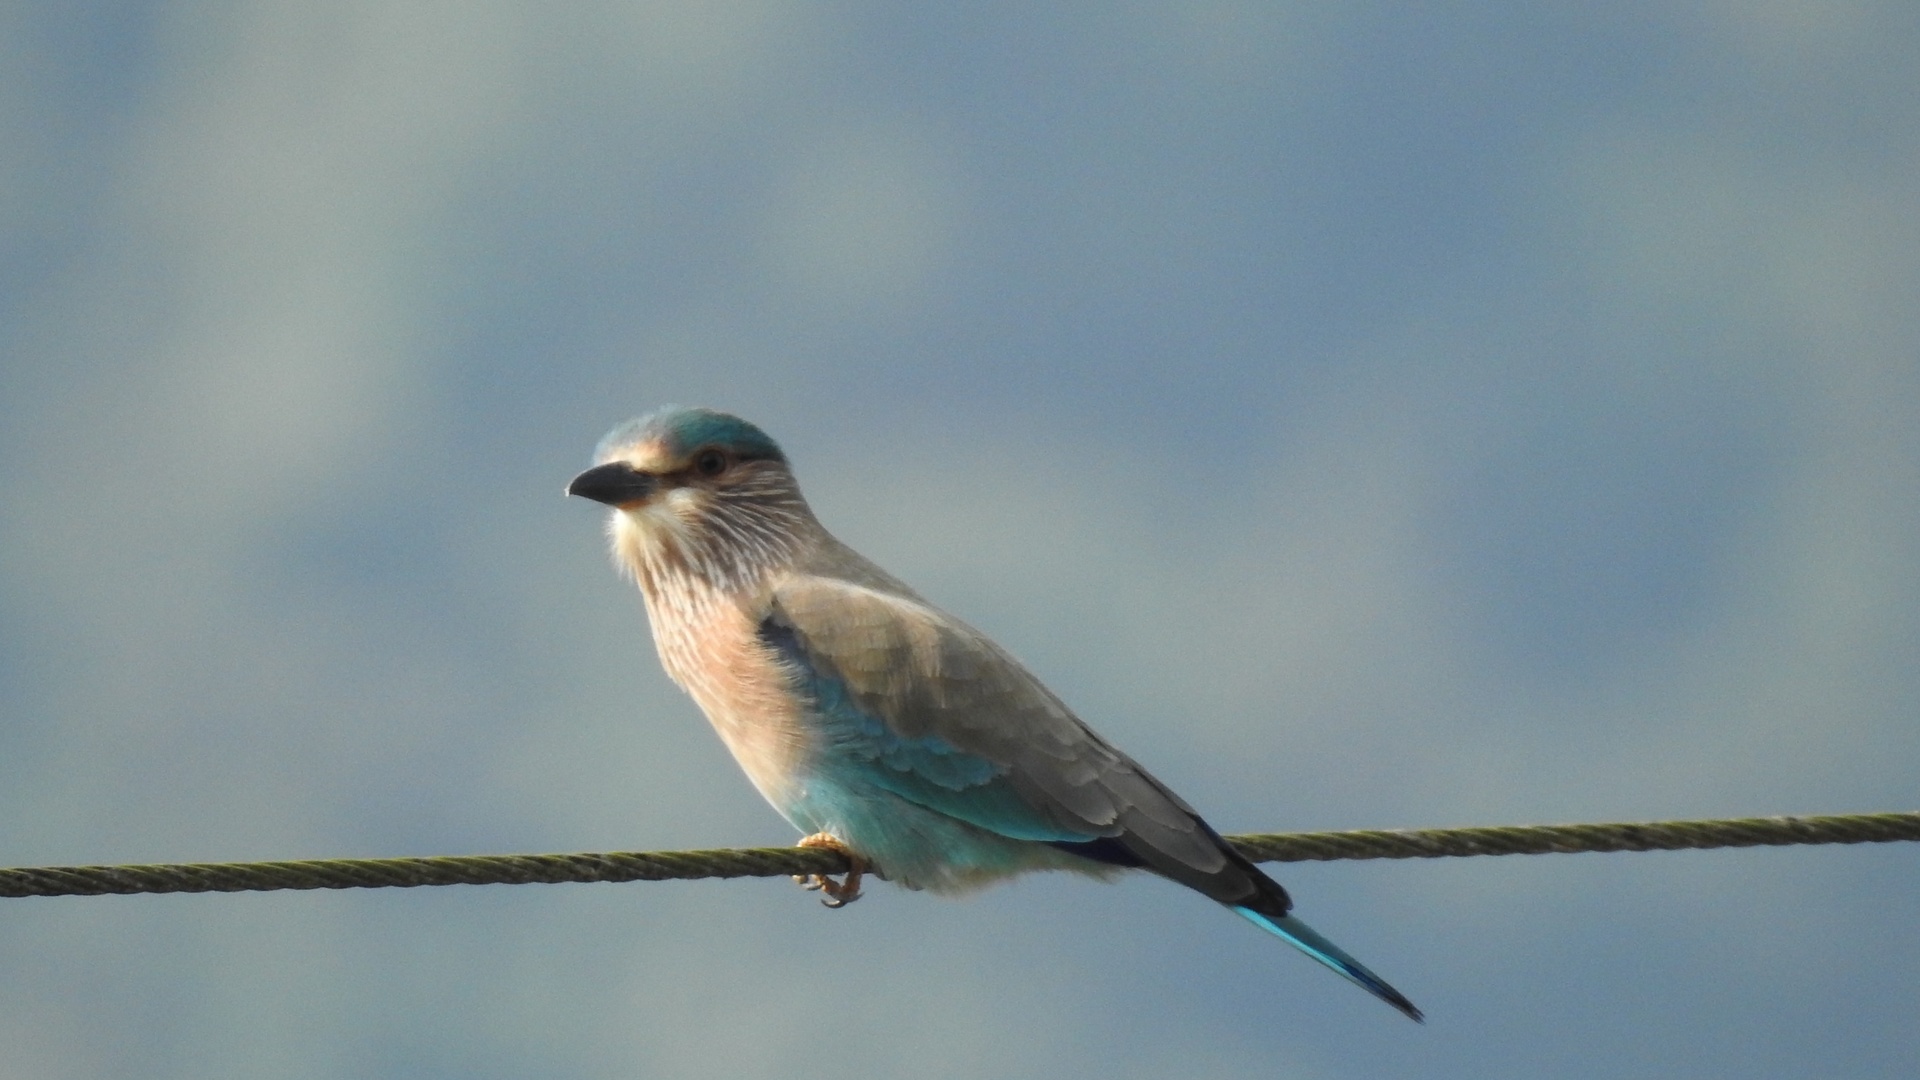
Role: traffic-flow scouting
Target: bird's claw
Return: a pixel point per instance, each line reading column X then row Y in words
column 839, row 893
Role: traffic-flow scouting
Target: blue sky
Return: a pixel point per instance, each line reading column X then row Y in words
column 1365, row 415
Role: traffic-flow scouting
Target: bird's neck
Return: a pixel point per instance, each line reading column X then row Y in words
column 679, row 566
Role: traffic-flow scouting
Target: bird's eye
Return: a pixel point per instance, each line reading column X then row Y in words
column 710, row 462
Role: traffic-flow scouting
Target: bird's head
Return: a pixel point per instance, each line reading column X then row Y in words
column 696, row 491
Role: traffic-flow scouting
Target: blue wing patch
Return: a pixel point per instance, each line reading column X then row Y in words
column 925, row 770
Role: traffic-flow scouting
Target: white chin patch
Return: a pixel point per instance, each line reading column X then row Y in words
column 668, row 515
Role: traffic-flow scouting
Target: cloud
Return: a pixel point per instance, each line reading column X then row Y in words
column 1614, row 517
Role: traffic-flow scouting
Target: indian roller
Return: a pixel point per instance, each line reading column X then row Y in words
column 877, row 724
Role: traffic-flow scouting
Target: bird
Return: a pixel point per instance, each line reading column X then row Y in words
column 880, row 726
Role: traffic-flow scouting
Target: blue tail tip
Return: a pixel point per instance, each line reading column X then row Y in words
column 1308, row 940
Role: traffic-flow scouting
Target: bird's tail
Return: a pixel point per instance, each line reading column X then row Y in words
column 1307, row 940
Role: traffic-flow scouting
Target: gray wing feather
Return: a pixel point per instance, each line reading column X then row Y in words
column 923, row 672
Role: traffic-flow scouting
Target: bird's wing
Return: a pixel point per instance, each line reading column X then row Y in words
column 933, row 711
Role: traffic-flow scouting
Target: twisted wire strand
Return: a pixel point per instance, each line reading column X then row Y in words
column 779, row 862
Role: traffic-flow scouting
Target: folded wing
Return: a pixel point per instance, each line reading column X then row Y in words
column 947, row 719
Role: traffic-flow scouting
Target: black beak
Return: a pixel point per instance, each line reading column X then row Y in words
column 615, row 483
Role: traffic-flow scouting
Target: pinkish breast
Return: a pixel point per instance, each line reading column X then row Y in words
column 710, row 645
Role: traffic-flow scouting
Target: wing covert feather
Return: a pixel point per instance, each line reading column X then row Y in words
column 924, row 674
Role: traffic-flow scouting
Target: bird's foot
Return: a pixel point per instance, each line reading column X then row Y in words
column 847, row 889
